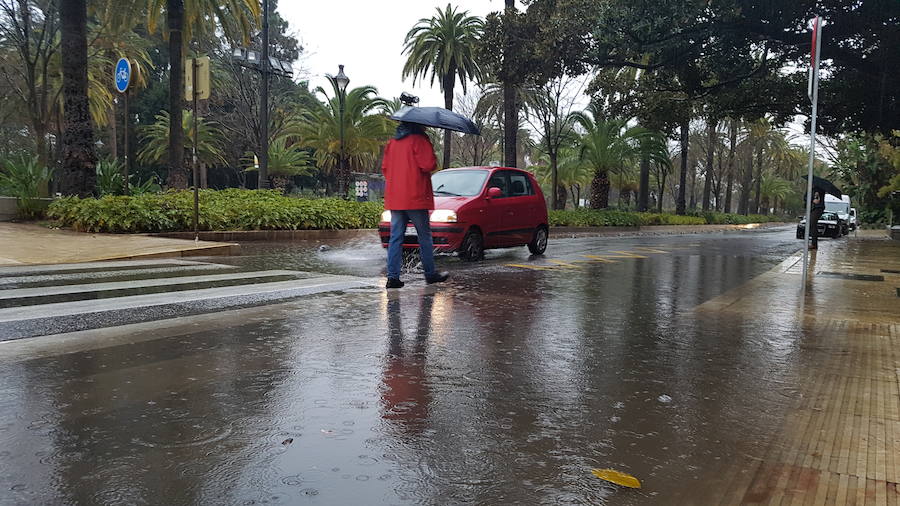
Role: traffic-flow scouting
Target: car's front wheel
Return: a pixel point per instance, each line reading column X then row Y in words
column 538, row 244
column 472, row 248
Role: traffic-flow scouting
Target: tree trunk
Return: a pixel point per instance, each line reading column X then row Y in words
column 449, row 82
column 732, row 141
column 79, row 162
column 600, row 190
column 561, row 194
column 510, row 108
column 510, row 125
column 662, row 192
column 178, row 177
column 682, row 181
column 554, row 182
column 692, row 204
column 746, row 184
column 710, row 151
column 644, row 190
column 759, row 175
column 113, row 132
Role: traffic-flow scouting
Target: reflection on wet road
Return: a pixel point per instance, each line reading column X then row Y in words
column 507, row 385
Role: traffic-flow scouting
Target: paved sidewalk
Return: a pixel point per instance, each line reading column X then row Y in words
column 840, row 438
column 31, row 244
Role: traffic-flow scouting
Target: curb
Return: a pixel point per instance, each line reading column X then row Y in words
column 268, row 235
column 555, row 232
column 572, row 232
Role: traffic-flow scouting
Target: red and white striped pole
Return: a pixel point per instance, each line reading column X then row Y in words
column 813, row 93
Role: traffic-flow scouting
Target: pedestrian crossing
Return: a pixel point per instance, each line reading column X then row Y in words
column 52, row 299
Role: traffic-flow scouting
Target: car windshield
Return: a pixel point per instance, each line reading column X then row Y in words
column 837, row 207
column 828, row 217
column 458, row 183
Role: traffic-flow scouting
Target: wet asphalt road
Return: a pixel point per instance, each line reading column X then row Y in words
column 507, row 385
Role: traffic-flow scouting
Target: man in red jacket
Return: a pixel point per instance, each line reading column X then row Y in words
column 408, row 163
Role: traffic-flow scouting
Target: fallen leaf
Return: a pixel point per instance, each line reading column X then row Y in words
column 287, row 441
column 617, row 477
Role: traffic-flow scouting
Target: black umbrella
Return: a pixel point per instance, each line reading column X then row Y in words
column 826, row 186
column 437, row 117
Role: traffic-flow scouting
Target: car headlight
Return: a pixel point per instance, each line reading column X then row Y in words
column 386, row 216
column 443, row 216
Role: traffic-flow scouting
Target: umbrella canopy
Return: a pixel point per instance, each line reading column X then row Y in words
column 825, row 186
column 437, row 117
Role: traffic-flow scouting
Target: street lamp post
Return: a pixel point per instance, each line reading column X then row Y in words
column 266, row 66
column 342, row 81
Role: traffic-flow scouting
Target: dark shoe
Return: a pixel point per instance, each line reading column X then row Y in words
column 394, row 283
column 439, row 277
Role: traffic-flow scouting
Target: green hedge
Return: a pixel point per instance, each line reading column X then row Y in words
column 231, row 209
column 595, row 218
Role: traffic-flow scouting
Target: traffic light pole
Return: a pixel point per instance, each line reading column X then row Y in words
column 196, row 164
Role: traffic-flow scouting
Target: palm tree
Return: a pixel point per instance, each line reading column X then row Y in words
column 573, row 174
column 443, row 46
column 611, row 146
column 285, row 161
column 773, row 189
column 210, row 143
column 366, row 128
column 79, row 176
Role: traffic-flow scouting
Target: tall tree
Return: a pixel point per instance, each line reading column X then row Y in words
column 79, row 172
column 680, row 203
column 549, row 111
column 32, row 34
column 711, row 125
column 610, row 146
column 732, row 146
column 235, row 19
column 444, row 46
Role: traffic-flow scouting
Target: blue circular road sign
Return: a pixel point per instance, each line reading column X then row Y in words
column 123, row 75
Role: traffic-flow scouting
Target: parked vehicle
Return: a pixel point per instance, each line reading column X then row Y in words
column 479, row 208
column 830, row 225
column 841, row 207
column 854, row 220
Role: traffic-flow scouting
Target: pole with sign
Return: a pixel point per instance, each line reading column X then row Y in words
column 196, row 88
column 814, row 98
column 123, row 79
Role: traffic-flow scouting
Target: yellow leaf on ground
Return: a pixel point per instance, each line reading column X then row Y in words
column 617, row 477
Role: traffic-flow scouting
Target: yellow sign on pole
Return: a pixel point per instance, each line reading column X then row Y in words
column 202, row 88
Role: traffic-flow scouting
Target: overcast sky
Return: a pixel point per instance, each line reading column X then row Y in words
column 370, row 43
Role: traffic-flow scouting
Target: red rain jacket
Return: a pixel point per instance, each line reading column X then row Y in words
column 407, row 167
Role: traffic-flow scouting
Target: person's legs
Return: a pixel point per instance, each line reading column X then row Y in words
column 419, row 218
column 814, row 224
column 399, row 219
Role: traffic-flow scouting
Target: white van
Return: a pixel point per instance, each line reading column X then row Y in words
column 841, row 207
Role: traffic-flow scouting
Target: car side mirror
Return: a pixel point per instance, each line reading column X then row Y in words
column 494, row 192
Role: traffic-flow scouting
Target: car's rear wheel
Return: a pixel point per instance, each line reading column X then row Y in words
column 800, row 234
column 538, row 244
column 472, row 248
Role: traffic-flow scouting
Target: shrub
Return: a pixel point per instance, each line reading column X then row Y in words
column 231, row 209
column 605, row 218
column 24, row 178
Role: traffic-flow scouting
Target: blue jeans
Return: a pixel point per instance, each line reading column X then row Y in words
column 399, row 219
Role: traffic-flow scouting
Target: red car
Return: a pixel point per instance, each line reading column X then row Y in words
column 479, row 208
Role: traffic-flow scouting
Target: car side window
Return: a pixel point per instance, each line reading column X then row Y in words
column 519, row 185
column 499, row 180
